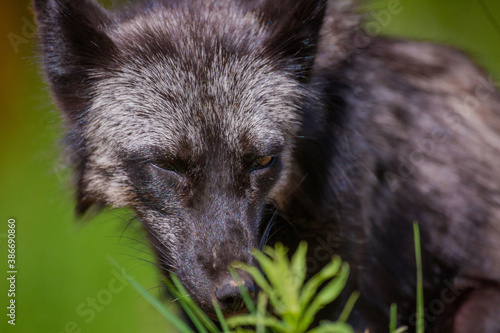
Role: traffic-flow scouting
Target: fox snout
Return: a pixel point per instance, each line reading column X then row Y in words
column 203, row 253
column 228, row 293
column 209, row 278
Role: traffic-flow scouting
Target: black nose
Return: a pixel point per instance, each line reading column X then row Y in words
column 229, row 296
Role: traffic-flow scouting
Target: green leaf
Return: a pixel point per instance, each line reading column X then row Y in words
column 261, row 313
column 332, row 328
column 298, row 271
column 252, row 319
column 327, row 295
column 348, row 307
column 243, row 330
column 298, row 263
column 311, row 287
column 273, row 268
column 261, row 281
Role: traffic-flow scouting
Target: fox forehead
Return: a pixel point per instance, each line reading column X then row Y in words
column 186, row 70
column 168, row 102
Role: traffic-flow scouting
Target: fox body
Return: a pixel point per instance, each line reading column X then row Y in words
column 213, row 119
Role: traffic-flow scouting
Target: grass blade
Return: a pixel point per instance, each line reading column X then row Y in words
column 207, row 322
column 169, row 315
column 420, row 292
column 222, row 320
column 243, row 291
column 196, row 322
column 394, row 318
column 348, row 307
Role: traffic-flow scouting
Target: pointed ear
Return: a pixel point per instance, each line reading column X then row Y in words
column 73, row 44
column 75, row 49
column 294, row 28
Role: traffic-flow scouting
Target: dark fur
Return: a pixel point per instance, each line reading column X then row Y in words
column 367, row 140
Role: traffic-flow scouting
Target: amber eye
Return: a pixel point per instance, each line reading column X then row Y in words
column 165, row 165
column 262, row 162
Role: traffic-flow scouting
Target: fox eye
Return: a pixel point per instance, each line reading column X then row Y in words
column 165, row 165
column 262, row 162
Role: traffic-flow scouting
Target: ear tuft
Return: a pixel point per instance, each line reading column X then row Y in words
column 73, row 44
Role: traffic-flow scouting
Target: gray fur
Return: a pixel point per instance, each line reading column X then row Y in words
column 366, row 139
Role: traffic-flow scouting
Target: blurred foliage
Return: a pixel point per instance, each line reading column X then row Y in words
column 62, row 264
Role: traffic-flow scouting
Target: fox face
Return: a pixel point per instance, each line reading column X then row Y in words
column 187, row 113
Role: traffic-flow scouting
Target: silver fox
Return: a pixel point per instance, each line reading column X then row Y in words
column 221, row 123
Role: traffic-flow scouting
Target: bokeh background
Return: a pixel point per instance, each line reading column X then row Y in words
column 64, row 264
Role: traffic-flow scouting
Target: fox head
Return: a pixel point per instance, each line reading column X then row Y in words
column 186, row 112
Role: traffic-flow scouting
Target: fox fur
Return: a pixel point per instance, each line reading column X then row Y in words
column 169, row 104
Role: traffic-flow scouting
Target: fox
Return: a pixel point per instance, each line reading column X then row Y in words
column 227, row 125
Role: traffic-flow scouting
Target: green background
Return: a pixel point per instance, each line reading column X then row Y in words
column 63, row 263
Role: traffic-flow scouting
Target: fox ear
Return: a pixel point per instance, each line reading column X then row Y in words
column 295, row 27
column 73, row 43
column 74, row 49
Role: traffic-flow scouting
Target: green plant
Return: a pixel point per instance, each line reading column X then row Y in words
column 295, row 301
column 283, row 285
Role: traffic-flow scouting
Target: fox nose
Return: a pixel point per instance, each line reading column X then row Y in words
column 229, row 296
